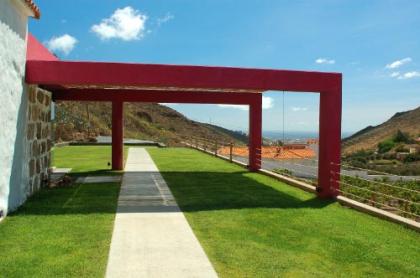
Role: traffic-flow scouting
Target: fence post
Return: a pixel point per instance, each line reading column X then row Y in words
column 230, row 151
column 215, row 149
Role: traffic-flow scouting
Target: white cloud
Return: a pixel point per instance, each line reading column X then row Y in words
column 298, row 109
column 168, row 104
column 126, row 24
column 240, row 107
column 410, row 74
column 398, row 63
column 63, row 44
column 166, row 18
column 395, row 74
column 325, row 61
column 267, row 103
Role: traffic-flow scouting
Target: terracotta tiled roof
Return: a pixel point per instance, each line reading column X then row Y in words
column 34, row 8
column 272, row 152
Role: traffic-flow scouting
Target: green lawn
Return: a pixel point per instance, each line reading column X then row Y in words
column 63, row 232
column 249, row 225
column 92, row 160
column 254, row 226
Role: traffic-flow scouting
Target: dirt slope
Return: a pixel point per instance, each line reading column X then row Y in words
column 369, row 137
column 148, row 121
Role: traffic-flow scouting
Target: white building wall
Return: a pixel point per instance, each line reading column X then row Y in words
column 14, row 173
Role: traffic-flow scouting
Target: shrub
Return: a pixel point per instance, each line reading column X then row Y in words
column 401, row 137
column 412, row 158
column 385, row 146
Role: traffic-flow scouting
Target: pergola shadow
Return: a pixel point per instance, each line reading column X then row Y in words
column 206, row 191
column 100, row 172
column 194, row 192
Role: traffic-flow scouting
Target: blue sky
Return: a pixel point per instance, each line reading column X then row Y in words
column 375, row 44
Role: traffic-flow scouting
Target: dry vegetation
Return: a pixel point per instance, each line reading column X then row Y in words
column 368, row 138
column 149, row 121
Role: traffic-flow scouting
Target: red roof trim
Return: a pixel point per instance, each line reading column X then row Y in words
column 36, row 51
column 34, row 8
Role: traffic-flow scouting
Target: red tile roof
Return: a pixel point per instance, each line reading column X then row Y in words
column 272, row 152
column 34, row 8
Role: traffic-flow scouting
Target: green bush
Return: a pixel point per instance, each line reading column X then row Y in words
column 385, row 146
column 401, row 137
column 412, row 158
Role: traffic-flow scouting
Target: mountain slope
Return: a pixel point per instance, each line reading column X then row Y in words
column 148, row 121
column 369, row 137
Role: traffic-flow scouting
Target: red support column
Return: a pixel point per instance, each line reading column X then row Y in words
column 117, row 135
column 255, row 133
column 329, row 143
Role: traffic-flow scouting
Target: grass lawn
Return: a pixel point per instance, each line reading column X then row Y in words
column 84, row 160
column 63, row 232
column 251, row 225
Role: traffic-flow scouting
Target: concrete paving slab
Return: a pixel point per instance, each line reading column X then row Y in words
column 98, row 179
column 58, row 173
column 152, row 237
column 61, row 170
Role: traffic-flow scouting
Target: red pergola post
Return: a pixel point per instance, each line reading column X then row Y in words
column 255, row 133
column 117, row 135
column 329, row 143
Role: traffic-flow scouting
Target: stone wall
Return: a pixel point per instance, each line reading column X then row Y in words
column 38, row 137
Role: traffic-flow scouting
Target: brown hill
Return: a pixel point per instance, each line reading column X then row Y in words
column 369, row 137
column 148, row 121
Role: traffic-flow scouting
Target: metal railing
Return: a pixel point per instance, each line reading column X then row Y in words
column 212, row 146
column 401, row 197
column 398, row 196
column 290, row 167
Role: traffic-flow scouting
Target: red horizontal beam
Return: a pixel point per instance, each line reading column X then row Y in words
column 154, row 96
column 179, row 76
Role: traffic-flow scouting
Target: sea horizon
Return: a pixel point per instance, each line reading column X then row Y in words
column 297, row 135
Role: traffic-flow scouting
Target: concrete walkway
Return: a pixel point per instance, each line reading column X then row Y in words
column 151, row 236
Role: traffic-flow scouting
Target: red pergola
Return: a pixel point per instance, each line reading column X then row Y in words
column 123, row 82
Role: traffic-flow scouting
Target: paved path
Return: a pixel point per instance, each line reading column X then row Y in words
column 151, row 236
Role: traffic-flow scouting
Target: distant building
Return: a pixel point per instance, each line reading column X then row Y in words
column 413, row 149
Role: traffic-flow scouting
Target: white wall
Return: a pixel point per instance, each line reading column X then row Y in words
column 13, row 105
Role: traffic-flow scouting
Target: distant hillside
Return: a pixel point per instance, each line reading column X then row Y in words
column 369, row 137
column 148, row 121
column 237, row 135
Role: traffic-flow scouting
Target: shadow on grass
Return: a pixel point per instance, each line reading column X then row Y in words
column 101, row 172
column 194, row 191
column 204, row 191
column 75, row 199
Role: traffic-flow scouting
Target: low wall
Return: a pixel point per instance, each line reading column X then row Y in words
column 409, row 223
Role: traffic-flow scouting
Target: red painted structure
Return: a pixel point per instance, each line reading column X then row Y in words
column 122, row 82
